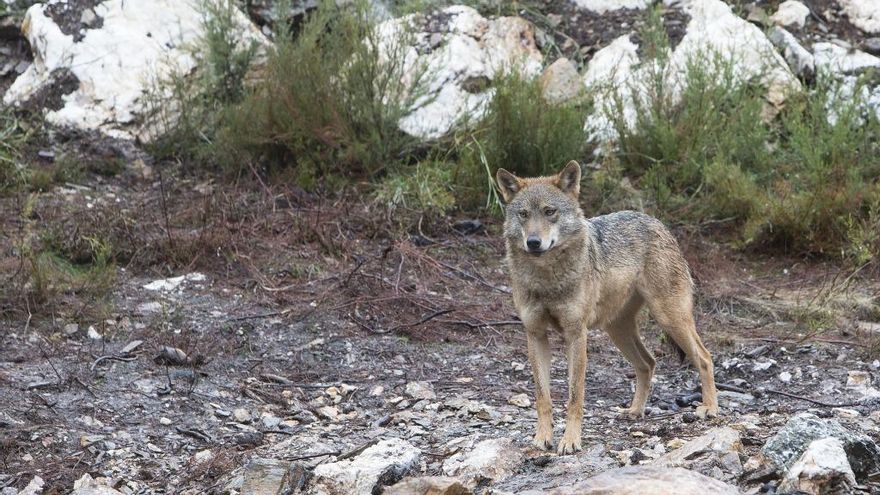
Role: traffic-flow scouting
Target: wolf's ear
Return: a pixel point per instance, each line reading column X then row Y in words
column 508, row 183
column 569, row 180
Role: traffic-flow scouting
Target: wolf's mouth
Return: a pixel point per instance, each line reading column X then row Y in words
column 539, row 252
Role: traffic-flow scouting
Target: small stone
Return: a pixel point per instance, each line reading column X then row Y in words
column 377, row 391
column 858, row 380
column 265, row 476
column 327, row 412
column 70, row 329
column 791, row 13
column 675, row 443
column 164, row 421
column 87, row 440
column 517, row 366
column 429, row 485
column 93, row 334
column 519, row 400
column 269, row 421
column 89, row 486
column 420, row 390
column 241, row 415
column 784, row 377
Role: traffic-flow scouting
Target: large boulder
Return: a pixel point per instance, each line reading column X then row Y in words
column 452, row 56
column 94, row 67
column 789, row 443
column 382, row 464
column 715, row 37
column 645, row 480
column 494, row 459
column 716, row 452
column 864, row 14
column 823, row 469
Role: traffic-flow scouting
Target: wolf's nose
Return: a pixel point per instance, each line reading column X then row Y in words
column 533, row 242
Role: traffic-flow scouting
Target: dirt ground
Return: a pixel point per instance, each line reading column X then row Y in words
column 299, row 321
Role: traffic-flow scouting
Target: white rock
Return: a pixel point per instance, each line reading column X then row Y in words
column 608, row 76
column 784, row 377
column 35, row 487
column 799, row 59
column 164, row 421
column 864, row 14
column 602, row 6
column 71, row 328
column 717, row 447
column 420, row 390
column 377, row 391
column 791, row 13
column 137, row 44
column 93, row 333
column 615, row 74
column 519, row 400
column 89, row 486
column 469, row 47
column 382, row 464
column 840, row 60
column 150, row 307
column 170, row 284
column 242, row 415
column 822, row 469
column 494, row 459
column 644, row 480
column 561, row 82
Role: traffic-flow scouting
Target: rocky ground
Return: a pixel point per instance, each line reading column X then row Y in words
column 271, row 355
column 255, row 338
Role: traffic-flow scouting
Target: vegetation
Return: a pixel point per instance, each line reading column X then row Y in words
column 803, row 182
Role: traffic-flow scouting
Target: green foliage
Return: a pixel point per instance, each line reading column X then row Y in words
column 12, row 138
column 422, row 187
column 330, row 99
column 805, row 181
column 521, row 132
column 185, row 108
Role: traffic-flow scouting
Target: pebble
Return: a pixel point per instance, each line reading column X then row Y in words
column 785, row 377
column 519, row 400
column 241, row 415
column 164, row 421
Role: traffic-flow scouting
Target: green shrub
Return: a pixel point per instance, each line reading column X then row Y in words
column 520, row 132
column 330, row 99
column 185, row 108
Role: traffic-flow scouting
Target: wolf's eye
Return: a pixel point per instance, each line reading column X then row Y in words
column 523, row 214
column 549, row 211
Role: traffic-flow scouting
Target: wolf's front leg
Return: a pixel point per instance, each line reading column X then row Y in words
column 576, row 354
column 539, row 358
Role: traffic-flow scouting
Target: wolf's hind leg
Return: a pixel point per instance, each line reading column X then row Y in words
column 675, row 316
column 624, row 333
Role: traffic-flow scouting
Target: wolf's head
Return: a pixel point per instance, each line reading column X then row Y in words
column 542, row 213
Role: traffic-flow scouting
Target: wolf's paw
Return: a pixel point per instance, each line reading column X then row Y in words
column 543, row 441
column 568, row 445
column 631, row 413
column 704, row 412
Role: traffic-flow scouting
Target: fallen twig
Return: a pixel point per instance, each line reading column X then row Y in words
column 812, row 401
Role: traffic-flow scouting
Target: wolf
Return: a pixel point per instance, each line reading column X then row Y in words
column 570, row 273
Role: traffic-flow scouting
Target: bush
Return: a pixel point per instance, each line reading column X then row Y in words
column 520, row 132
column 185, row 108
column 805, row 182
column 330, row 100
